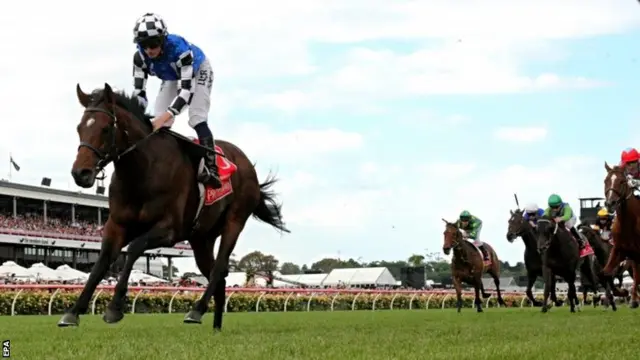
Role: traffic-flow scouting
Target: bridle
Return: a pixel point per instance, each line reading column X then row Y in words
column 109, row 153
column 620, row 193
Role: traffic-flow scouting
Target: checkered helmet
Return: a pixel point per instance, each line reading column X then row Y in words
column 149, row 25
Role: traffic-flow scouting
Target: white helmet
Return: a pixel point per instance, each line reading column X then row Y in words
column 531, row 208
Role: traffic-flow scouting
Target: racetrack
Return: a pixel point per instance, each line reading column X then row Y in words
column 400, row 334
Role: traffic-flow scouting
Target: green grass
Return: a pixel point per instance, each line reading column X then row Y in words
column 403, row 334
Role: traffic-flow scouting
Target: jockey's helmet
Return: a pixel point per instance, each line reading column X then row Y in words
column 149, row 30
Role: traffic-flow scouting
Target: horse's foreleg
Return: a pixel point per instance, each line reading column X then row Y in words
column 457, row 284
column 531, row 280
column 203, row 253
column 112, row 244
column 158, row 236
column 615, row 258
column 636, row 281
column 547, row 274
column 573, row 295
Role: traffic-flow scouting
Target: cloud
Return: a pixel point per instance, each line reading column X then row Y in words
column 521, row 134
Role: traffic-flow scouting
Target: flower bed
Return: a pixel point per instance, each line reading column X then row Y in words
column 36, row 302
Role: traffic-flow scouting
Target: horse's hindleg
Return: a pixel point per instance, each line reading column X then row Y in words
column 112, row 243
column 573, row 295
column 156, row 237
column 457, row 284
column 477, row 301
column 203, row 253
column 496, row 281
column 230, row 233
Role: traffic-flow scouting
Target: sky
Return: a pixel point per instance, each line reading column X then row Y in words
column 379, row 117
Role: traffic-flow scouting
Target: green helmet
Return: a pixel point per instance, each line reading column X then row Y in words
column 465, row 215
column 554, row 200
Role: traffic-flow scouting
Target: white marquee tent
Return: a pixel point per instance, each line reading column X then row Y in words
column 378, row 276
column 138, row 276
column 68, row 273
column 307, row 279
column 42, row 272
column 10, row 268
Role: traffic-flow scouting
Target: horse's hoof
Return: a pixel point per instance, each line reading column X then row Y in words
column 193, row 317
column 558, row 303
column 614, row 307
column 480, row 310
column 537, row 303
column 217, row 330
column 486, row 296
column 69, row 319
column 633, row 305
column 112, row 316
column 544, row 309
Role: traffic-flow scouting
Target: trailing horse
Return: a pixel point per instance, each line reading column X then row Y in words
column 468, row 265
column 601, row 249
column 156, row 201
column 560, row 257
column 518, row 226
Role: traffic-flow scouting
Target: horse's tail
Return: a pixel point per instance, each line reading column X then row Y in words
column 268, row 210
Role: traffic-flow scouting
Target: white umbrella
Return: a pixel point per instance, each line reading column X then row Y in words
column 10, row 268
column 43, row 272
column 66, row 272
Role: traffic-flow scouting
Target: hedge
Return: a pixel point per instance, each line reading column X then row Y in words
column 37, row 302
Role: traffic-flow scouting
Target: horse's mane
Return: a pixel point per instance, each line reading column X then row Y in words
column 128, row 102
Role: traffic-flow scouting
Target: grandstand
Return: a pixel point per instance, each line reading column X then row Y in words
column 57, row 227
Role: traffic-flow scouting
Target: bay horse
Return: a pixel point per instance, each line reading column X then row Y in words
column 560, row 257
column 467, row 265
column 518, row 226
column 625, row 232
column 156, row 201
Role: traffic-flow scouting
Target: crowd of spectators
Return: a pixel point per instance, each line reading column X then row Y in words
column 36, row 223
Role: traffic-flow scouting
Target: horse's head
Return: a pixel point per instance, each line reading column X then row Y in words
column 517, row 225
column 545, row 230
column 104, row 131
column 616, row 188
column 452, row 237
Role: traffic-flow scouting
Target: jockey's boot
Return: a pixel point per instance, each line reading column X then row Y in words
column 582, row 242
column 485, row 254
column 210, row 175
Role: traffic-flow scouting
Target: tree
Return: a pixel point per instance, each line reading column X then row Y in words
column 165, row 271
column 416, row 260
column 289, row 268
column 257, row 261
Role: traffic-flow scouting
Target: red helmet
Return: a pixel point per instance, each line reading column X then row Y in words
column 629, row 155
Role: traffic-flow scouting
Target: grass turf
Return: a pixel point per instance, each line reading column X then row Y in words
column 402, row 334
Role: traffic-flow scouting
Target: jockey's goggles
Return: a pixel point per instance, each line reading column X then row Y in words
column 150, row 43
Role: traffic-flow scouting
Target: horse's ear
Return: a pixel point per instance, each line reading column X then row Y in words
column 108, row 94
column 511, row 211
column 445, row 221
column 606, row 166
column 85, row 99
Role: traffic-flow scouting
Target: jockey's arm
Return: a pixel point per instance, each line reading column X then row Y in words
column 567, row 213
column 547, row 212
column 475, row 225
column 186, row 84
column 140, row 76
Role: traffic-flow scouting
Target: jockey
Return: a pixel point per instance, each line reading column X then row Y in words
column 629, row 161
column 187, row 79
column 604, row 223
column 561, row 212
column 470, row 227
column 532, row 213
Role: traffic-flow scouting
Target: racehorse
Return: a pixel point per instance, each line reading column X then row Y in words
column 560, row 257
column 156, row 201
column 601, row 249
column 468, row 265
column 619, row 198
column 518, row 226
